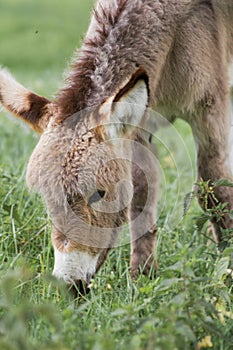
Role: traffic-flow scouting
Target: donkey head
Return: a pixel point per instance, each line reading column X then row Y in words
column 81, row 167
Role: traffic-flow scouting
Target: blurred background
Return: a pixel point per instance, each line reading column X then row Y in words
column 39, row 35
column 37, row 41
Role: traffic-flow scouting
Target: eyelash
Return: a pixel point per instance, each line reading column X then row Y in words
column 96, row 197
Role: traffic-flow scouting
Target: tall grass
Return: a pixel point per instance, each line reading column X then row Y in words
column 188, row 305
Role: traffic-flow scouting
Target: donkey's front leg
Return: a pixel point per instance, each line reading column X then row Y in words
column 211, row 134
column 143, row 211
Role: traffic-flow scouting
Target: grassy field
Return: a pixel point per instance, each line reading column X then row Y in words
column 188, row 305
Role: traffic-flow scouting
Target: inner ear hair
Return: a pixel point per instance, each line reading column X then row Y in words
column 140, row 74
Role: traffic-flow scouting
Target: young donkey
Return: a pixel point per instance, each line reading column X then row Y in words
column 169, row 55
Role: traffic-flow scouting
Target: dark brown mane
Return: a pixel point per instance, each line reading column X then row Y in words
column 75, row 95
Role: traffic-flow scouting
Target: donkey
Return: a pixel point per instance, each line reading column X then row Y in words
column 90, row 165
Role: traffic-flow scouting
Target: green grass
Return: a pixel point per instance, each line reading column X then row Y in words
column 190, row 299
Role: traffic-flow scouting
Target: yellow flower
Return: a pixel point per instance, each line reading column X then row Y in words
column 205, row 343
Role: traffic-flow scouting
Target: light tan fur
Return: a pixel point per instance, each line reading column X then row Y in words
column 172, row 56
column 13, row 93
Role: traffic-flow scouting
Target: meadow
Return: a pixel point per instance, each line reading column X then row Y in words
column 187, row 306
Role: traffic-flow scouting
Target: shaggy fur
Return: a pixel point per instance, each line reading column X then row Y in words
column 180, row 51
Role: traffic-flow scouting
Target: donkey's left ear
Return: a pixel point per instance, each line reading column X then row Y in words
column 24, row 104
column 126, row 109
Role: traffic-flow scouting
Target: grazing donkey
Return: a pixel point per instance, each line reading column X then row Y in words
column 89, row 165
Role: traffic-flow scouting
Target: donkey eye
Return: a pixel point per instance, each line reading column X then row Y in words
column 97, row 196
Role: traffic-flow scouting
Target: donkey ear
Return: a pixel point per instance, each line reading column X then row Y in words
column 24, row 104
column 127, row 107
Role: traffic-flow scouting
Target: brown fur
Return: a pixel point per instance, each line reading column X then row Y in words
column 76, row 95
column 37, row 110
column 182, row 51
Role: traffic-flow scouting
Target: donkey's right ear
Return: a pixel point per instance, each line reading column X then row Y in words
column 24, row 104
column 126, row 108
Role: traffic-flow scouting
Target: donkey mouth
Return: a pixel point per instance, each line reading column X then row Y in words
column 79, row 288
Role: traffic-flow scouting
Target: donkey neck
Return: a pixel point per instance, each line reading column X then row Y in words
column 120, row 39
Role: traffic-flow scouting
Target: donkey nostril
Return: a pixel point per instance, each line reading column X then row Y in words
column 79, row 288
